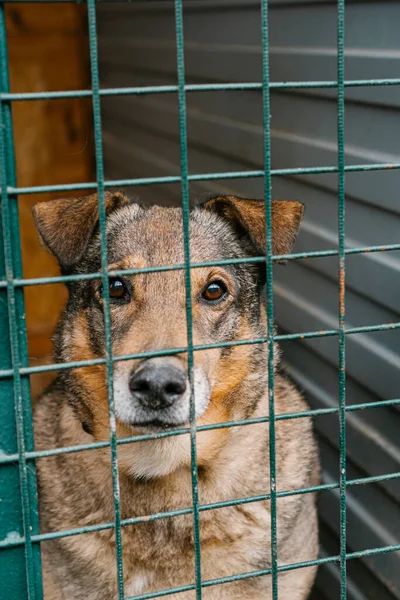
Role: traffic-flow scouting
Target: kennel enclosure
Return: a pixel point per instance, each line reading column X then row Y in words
column 192, row 97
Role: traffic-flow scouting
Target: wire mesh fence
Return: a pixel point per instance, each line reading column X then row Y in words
column 20, row 533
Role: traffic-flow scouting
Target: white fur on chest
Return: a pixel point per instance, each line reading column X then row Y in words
column 139, row 583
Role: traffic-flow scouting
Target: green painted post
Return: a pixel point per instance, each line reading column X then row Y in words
column 342, row 294
column 180, row 68
column 12, row 559
column 22, row 508
column 270, row 293
column 104, row 275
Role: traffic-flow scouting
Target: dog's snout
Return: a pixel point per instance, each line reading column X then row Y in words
column 158, row 387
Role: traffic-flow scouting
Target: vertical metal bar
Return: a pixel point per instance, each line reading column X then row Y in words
column 106, row 296
column 17, row 332
column 270, row 293
column 342, row 291
column 180, row 56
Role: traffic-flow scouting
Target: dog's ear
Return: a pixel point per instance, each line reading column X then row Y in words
column 65, row 226
column 249, row 216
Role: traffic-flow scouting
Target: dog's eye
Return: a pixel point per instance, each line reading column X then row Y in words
column 215, row 292
column 118, row 289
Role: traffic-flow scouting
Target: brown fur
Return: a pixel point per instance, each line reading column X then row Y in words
column 155, row 475
column 286, row 217
column 59, row 222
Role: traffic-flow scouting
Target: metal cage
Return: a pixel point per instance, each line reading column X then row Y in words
column 20, row 537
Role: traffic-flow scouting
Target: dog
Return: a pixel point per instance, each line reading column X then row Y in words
column 147, row 312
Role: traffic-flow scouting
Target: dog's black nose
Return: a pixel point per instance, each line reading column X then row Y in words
column 157, row 387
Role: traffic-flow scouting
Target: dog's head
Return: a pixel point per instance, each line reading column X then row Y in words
column 148, row 310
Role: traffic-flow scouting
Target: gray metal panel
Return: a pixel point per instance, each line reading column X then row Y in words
column 141, row 139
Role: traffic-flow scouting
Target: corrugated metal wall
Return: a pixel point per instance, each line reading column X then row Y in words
column 141, row 139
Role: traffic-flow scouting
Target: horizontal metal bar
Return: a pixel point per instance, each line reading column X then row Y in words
column 33, row 455
column 117, row 183
column 203, row 507
column 201, row 87
column 79, row 1
column 70, row 187
column 265, row 572
column 83, row 1
column 330, row 332
column 372, row 328
column 173, row 432
column 5, row 373
column 214, row 263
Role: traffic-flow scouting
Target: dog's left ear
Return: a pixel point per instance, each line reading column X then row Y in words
column 65, row 226
column 248, row 216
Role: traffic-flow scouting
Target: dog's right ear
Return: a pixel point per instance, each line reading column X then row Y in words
column 65, row 226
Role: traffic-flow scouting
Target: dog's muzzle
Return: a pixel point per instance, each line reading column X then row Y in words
column 157, row 386
column 156, row 393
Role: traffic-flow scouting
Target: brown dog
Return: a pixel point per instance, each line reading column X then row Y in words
column 148, row 314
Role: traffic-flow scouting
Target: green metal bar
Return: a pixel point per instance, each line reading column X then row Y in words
column 342, row 293
column 5, row 373
column 106, row 297
column 12, row 458
column 18, row 341
column 270, row 293
column 195, row 87
column 180, row 59
column 70, row 187
column 4, row 544
column 13, row 561
column 230, row 261
column 264, row 572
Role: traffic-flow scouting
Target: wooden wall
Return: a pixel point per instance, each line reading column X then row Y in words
column 48, row 51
